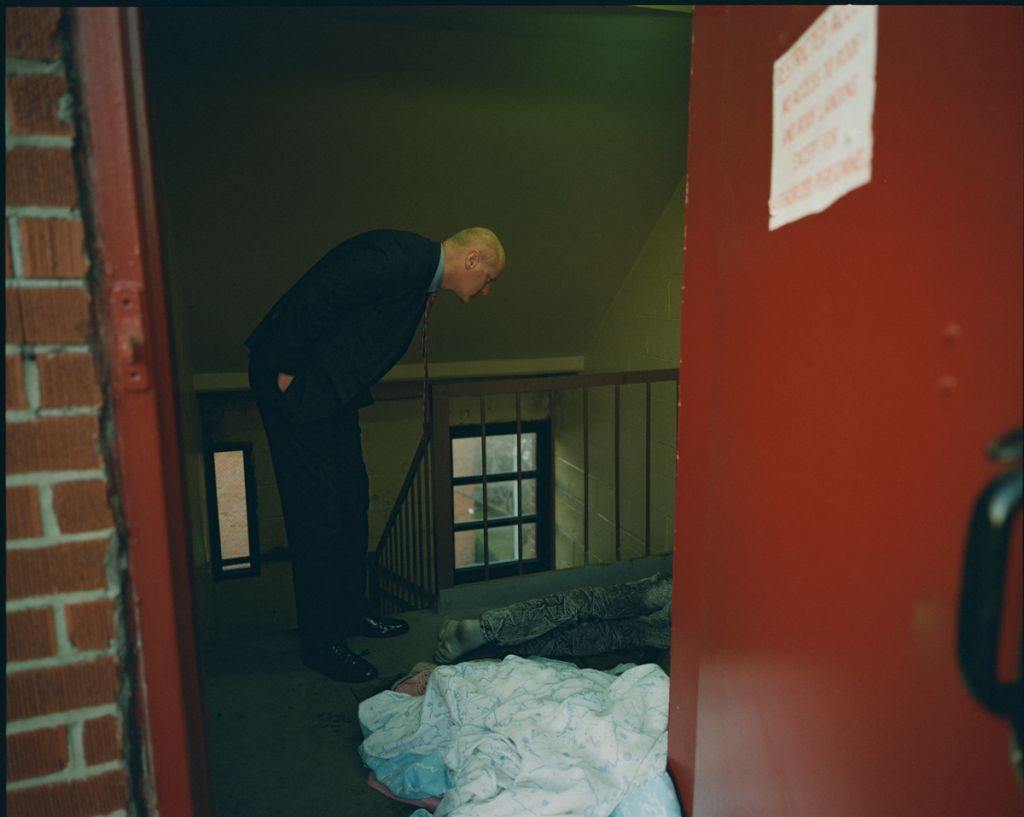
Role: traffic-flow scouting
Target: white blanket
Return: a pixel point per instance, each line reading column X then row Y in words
column 528, row 736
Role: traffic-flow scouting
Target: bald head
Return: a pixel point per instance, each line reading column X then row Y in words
column 483, row 241
column 473, row 260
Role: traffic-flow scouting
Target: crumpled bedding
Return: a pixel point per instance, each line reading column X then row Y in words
column 526, row 736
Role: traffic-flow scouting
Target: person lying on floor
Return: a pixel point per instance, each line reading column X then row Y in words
column 581, row 622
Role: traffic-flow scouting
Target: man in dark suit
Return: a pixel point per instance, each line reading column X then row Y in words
column 334, row 334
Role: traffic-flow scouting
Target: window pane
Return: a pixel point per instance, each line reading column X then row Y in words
column 466, row 457
column 232, row 514
column 502, row 500
column 469, row 545
column 501, row 454
column 529, row 496
column 502, row 544
column 469, row 503
column 529, row 451
column 469, row 548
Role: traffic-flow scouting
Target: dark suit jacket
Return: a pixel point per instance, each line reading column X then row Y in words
column 347, row 321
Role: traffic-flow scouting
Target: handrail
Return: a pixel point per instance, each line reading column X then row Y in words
column 410, row 571
column 400, row 572
column 554, row 382
column 414, row 467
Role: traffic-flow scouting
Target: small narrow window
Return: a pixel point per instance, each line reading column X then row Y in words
column 232, row 502
column 511, row 532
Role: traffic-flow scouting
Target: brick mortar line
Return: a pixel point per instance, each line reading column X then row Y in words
column 60, row 626
column 76, row 747
column 68, row 775
column 30, row 414
column 47, row 514
column 64, row 599
column 65, row 647
column 46, row 283
column 27, row 140
column 20, row 66
column 82, row 657
column 30, row 382
column 46, row 348
column 42, row 211
column 65, row 718
column 63, row 477
column 14, row 235
column 53, row 540
column 53, row 477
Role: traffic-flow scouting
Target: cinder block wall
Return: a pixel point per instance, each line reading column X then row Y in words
column 632, row 510
column 639, row 331
column 66, row 722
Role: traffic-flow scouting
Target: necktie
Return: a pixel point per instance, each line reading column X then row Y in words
column 423, row 348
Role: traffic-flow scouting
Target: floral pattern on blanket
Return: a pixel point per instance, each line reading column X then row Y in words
column 523, row 736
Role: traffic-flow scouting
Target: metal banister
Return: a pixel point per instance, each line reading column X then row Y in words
column 415, row 555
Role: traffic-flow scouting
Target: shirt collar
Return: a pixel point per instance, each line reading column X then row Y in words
column 435, row 285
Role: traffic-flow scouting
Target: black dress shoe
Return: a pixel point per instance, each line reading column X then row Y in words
column 382, row 627
column 339, row 663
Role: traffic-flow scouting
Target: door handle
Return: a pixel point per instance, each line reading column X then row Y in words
column 1008, row 448
column 981, row 595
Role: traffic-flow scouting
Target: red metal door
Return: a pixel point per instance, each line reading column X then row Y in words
column 841, row 379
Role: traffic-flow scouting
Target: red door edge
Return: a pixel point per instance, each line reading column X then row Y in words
column 700, row 249
column 132, row 311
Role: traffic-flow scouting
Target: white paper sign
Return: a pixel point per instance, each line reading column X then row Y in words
column 823, row 103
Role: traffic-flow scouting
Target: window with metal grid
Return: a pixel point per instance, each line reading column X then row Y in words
column 501, row 497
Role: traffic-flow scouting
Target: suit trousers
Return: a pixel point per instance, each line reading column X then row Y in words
column 322, row 482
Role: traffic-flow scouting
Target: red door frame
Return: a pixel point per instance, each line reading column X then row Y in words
column 132, row 310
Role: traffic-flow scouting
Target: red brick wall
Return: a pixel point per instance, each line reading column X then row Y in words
column 65, row 686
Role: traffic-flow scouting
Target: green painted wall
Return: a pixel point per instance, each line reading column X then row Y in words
column 640, row 328
column 639, row 331
column 278, row 131
column 282, row 130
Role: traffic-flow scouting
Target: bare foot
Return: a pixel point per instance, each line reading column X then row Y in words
column 456, row 639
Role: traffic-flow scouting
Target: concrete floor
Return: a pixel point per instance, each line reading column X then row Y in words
column 282, row 739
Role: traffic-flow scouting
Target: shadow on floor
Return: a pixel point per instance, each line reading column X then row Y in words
column 282, row 739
